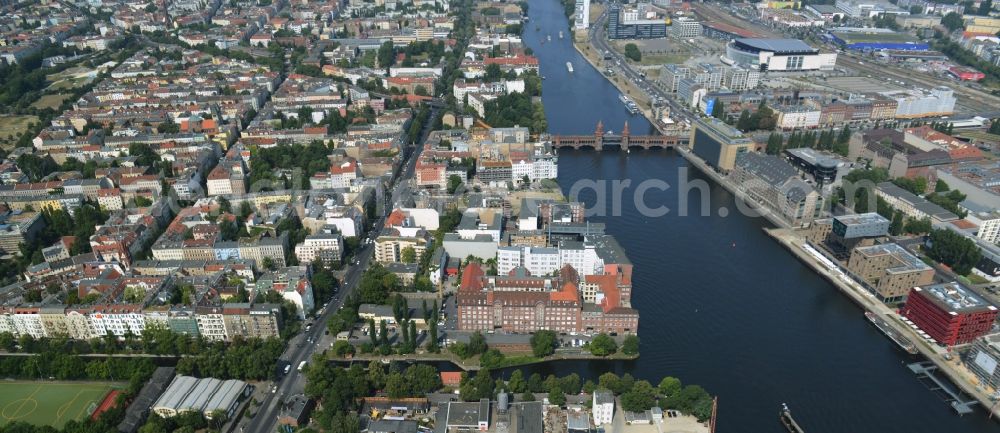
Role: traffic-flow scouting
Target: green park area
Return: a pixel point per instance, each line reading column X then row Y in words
column 11, row 127
column 49, row 403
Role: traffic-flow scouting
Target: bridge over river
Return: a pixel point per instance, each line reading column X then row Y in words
column 600, row 139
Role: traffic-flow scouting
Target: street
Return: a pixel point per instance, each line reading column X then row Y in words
column 600, row 42
column 299, row 347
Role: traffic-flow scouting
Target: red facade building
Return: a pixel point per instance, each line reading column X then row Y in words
column 949, row 313
column 521, row 303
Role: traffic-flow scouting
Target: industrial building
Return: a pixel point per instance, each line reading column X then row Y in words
column 718, row 143
column 950, row 313
column 875, row 39
column 207, row 396
column 486, row 416
column 778, row 55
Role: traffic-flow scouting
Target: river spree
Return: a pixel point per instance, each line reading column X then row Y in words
column 722, row 305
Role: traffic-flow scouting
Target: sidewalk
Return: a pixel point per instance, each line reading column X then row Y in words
column 952, row 369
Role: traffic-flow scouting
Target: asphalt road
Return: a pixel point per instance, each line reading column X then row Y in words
column 303, row 346
column 599, row 41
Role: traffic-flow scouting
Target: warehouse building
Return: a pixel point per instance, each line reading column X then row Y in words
column 208, row 396
column 778, row 55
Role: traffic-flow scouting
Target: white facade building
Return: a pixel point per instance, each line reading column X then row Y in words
column 603, row 407
column 582, row 14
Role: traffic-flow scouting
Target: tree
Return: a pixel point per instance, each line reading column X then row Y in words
column 669, row 386
column 953, row 21
column 556, row 396
column 603, row 345
column 385, row 54
column 477, row 343
column 774, row 143
column 898, row 219
column 396, row 386
column 631, row 345
column 640, row 398
column 342, row 348
column 432, row 338
column 408, row 255
column 744, row 124
column 610, row 382
column 914, row 226
column 543, row 343
column 453, row 183
column 985, row 7
column 516, row 383
column 632, row 52
column 954, row 250
column 719, row 110
column 168, row 126
column 941, row 186
column 527, row 396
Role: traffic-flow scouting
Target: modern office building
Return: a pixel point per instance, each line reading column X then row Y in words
column 582, row 20
column 718, row 143
column 627, row 24
column 983, row 360
column 685, row 28
column 778, row 55
column 950, row 313
column 822, row 167
column 889, row 271
column 866, row 225
column 915, row 104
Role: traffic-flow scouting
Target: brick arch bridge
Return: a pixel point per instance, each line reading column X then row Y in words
column 625, row 140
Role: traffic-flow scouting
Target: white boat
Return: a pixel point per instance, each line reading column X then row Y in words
column 569, row 67
column 560, row 34
column 550, row 38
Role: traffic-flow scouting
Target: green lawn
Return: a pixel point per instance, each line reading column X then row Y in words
column 49, row 403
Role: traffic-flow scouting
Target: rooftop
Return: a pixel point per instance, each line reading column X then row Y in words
column 955, row 298
column 861, row 219
column 906, row 262
column 777, row 45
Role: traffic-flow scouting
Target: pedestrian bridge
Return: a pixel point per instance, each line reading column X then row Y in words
column 600, row 139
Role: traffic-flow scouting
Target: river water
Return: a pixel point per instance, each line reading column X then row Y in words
column 721, row 304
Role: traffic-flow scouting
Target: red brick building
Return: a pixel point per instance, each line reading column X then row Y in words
column 949, row 313
column 522, row 303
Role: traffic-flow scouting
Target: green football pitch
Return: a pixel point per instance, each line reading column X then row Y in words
column 49, row 403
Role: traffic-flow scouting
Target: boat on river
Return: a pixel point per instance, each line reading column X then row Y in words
column 894, row 335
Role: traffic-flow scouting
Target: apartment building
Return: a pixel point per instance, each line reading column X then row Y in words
column 889, row 271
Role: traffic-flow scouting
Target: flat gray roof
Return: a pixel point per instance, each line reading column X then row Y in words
column 777, row 45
